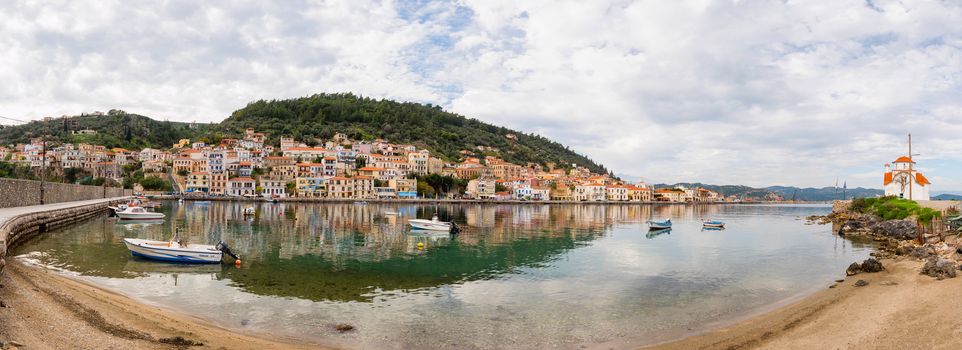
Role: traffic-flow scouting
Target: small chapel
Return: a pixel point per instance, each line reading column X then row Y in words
column 902, row 180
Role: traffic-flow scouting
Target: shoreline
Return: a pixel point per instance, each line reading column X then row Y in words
column 898, row 309
column 47, row 309
column 456, row 201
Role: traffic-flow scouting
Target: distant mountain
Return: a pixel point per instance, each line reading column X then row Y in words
column 947, row 197
column 785, row 192
column 314, row 119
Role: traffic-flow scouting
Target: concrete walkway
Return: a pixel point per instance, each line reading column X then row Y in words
column 8, row 213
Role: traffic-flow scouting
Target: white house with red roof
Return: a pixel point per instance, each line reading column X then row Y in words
column 903, row 180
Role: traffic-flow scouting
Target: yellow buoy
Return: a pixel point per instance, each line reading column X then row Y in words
column 420, row 245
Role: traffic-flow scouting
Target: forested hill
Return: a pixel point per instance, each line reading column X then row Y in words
column 445, row 134
column 114, row 129
column 315, row 119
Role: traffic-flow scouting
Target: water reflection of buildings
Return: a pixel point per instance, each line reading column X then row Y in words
column 344, row 251
column 366, row 232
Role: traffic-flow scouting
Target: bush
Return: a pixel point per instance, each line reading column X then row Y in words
column 894, row 208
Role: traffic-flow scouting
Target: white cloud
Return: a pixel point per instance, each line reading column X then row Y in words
column 758, row 93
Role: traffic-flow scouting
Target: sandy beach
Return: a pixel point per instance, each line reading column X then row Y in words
column 898, row 309
column 46, row 310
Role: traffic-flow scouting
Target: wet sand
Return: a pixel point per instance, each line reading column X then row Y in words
column 898, row 309
column 47, row 310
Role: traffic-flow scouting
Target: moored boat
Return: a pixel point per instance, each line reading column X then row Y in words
column 713, row 223
column 657, row 225
column 434, row 225
column 139, row 213
column 174, row 251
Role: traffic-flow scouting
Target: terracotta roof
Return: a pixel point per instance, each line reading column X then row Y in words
column 200, row 173
column 370, row 168
column 887, row 179
column 316, row 149
column 904, row 159
column 921, row 179
column 242, row 179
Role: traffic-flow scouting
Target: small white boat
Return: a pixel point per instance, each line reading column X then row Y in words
column 139, row 213
column 658, row 225
column 434, row 224
column 713, row 224
column 174, row 251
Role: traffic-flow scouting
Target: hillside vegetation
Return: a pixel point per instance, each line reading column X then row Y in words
column 315, row 119
column 115, row 129
column 445, row 134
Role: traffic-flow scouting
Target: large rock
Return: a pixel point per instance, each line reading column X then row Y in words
column 871, row 265
column 939, row 268
column 898, row 229
column 853, row 269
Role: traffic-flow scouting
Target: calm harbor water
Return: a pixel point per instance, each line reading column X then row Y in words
column 518, row 276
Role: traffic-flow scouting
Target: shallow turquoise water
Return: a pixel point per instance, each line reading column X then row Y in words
column 519, row 276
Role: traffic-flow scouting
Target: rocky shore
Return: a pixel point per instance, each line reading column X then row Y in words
column 940, row 249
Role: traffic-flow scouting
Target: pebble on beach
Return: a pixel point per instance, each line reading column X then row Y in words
column 343, row 327
column 861, row 283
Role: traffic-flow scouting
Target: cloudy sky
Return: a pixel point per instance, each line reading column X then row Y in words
column 747, row 92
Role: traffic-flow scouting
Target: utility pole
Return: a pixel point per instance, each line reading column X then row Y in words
column 43, row 163
column 911, row 175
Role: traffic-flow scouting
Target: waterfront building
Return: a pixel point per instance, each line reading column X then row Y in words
column 341, row 187
column 590, row 192
column 218, row 183
column 669, row 195
column 404, row 188
column 481, row 188
column 198, row 181
column 363, row 187
column 241, row 186
column 617, row 193
column 311, row 187
column 521, row 192
column 561, row 192
column 639, row 194
column 540, row 193
column 273, row 188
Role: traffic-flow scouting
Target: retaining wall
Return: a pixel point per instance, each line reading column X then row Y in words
column 19, row 193
column 17, row 229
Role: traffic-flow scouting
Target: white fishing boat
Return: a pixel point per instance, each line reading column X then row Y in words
column 433, row 225
column 658, row 225
column 174, row 251
column 713, row 224
column 139, row 213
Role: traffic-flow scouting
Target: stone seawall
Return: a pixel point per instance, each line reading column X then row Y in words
column 19, row 193
column 19, row 227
